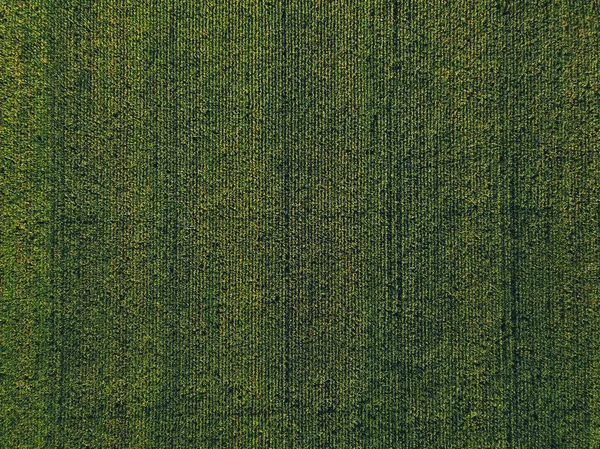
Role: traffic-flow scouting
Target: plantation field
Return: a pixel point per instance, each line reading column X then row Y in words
column 361, row 224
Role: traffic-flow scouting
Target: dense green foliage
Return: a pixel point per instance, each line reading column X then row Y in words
column 299, row 224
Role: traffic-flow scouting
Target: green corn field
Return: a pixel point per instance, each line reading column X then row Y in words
column 300, row 224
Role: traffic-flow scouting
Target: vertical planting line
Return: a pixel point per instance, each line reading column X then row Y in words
column 141, row 385
column 190, row 272
column 548, row 114
column 377, row 371
column 166, row 161
column 201, row 276
column 189, row 255
column 171, row 234
column 509, row 260
column 381, row 325
column 394, row 194
column 368, row 220
column 151, row 96
column 556, row 17
column 120, row 223
column 155, row 98
column 56, row 179
column 52, row 72
column 444, row 226
column 381, row 120
column 282, row 144
column 534, row 87
column 416, row 209
column 270, row 126
column 174, row 210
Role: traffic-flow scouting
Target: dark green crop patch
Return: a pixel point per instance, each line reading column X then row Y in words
column 361, row 224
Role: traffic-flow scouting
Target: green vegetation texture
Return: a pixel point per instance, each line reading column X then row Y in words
column 361, row 224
